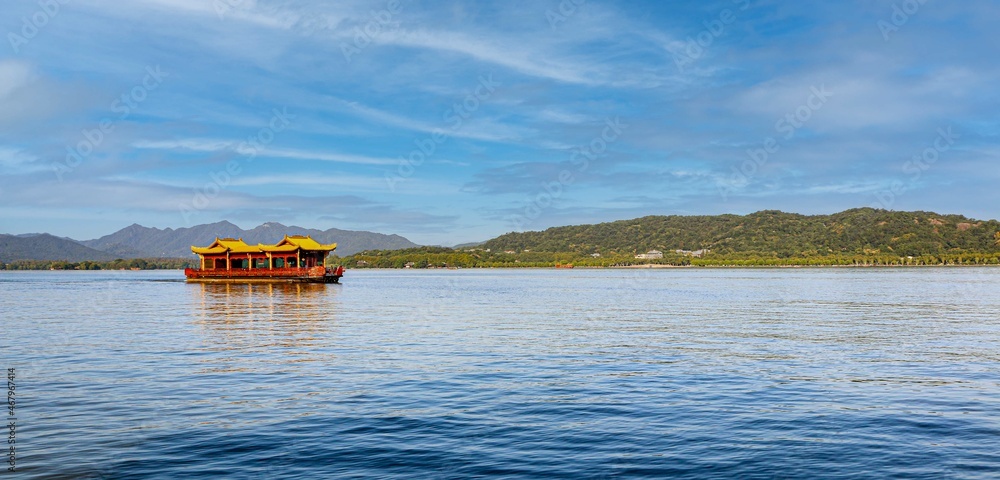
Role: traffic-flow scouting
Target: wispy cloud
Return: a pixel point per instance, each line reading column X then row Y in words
column 240, row 147
column 515, row 57
column 391, row 109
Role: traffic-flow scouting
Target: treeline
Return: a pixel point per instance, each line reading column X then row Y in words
column 844, row 260
column 771, row 234
column 441, row 257
column 118, row 264
column 438, row 257
column 863, row 236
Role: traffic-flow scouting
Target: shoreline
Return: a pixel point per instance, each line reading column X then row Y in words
column 581, row 267
column 657, row 266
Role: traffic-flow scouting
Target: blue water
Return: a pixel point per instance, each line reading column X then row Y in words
column 686, row 373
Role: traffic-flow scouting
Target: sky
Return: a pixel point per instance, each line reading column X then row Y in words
column 457, row 121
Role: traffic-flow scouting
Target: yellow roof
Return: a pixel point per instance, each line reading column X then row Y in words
column 287, row 244
column 221, row 245
column 305, row 243
column 208, row 250
column 276, row 248
column 237, row 246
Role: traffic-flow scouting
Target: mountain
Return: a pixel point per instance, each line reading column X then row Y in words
column 137, row 241
column 461, row 246
column 770, row 233
column 46, row 247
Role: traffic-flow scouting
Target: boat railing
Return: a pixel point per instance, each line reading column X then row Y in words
column 257, row 272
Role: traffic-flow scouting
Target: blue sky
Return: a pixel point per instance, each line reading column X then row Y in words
column 449, row 122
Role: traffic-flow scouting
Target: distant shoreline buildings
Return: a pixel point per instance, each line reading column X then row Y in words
column 656, row 254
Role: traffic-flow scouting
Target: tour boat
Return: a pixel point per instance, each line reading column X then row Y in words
column 295, row 258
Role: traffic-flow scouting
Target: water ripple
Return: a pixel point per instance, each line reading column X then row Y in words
column 693, row 373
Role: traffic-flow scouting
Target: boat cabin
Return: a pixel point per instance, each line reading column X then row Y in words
column 293, row 251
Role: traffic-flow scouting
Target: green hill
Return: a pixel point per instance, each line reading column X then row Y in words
column 770, row 234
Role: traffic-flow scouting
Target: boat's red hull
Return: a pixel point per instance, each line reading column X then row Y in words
column 266, row 275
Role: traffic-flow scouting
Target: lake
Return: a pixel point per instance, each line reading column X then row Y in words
column 686, row 373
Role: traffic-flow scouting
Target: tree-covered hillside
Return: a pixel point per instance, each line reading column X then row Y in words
column 770, row 234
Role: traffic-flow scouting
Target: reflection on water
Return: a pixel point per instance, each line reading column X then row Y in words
column 264, row 316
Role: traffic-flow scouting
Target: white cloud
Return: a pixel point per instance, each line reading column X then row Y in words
column 194, row 144
column 248, row 11
column 217, row 145
column 327, row 157
column 354, row 181
column 475, row 127
column 16, row 160
column 561, row 116
column 516, row 57
column 13, row 75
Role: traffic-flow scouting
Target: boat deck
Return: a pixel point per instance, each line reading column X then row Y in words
column 265, row 275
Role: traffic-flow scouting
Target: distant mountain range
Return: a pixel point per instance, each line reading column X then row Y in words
column 766, row 233
column 42, row 246
column 137, row 241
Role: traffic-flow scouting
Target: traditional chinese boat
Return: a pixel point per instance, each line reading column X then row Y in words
column 295, row 258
